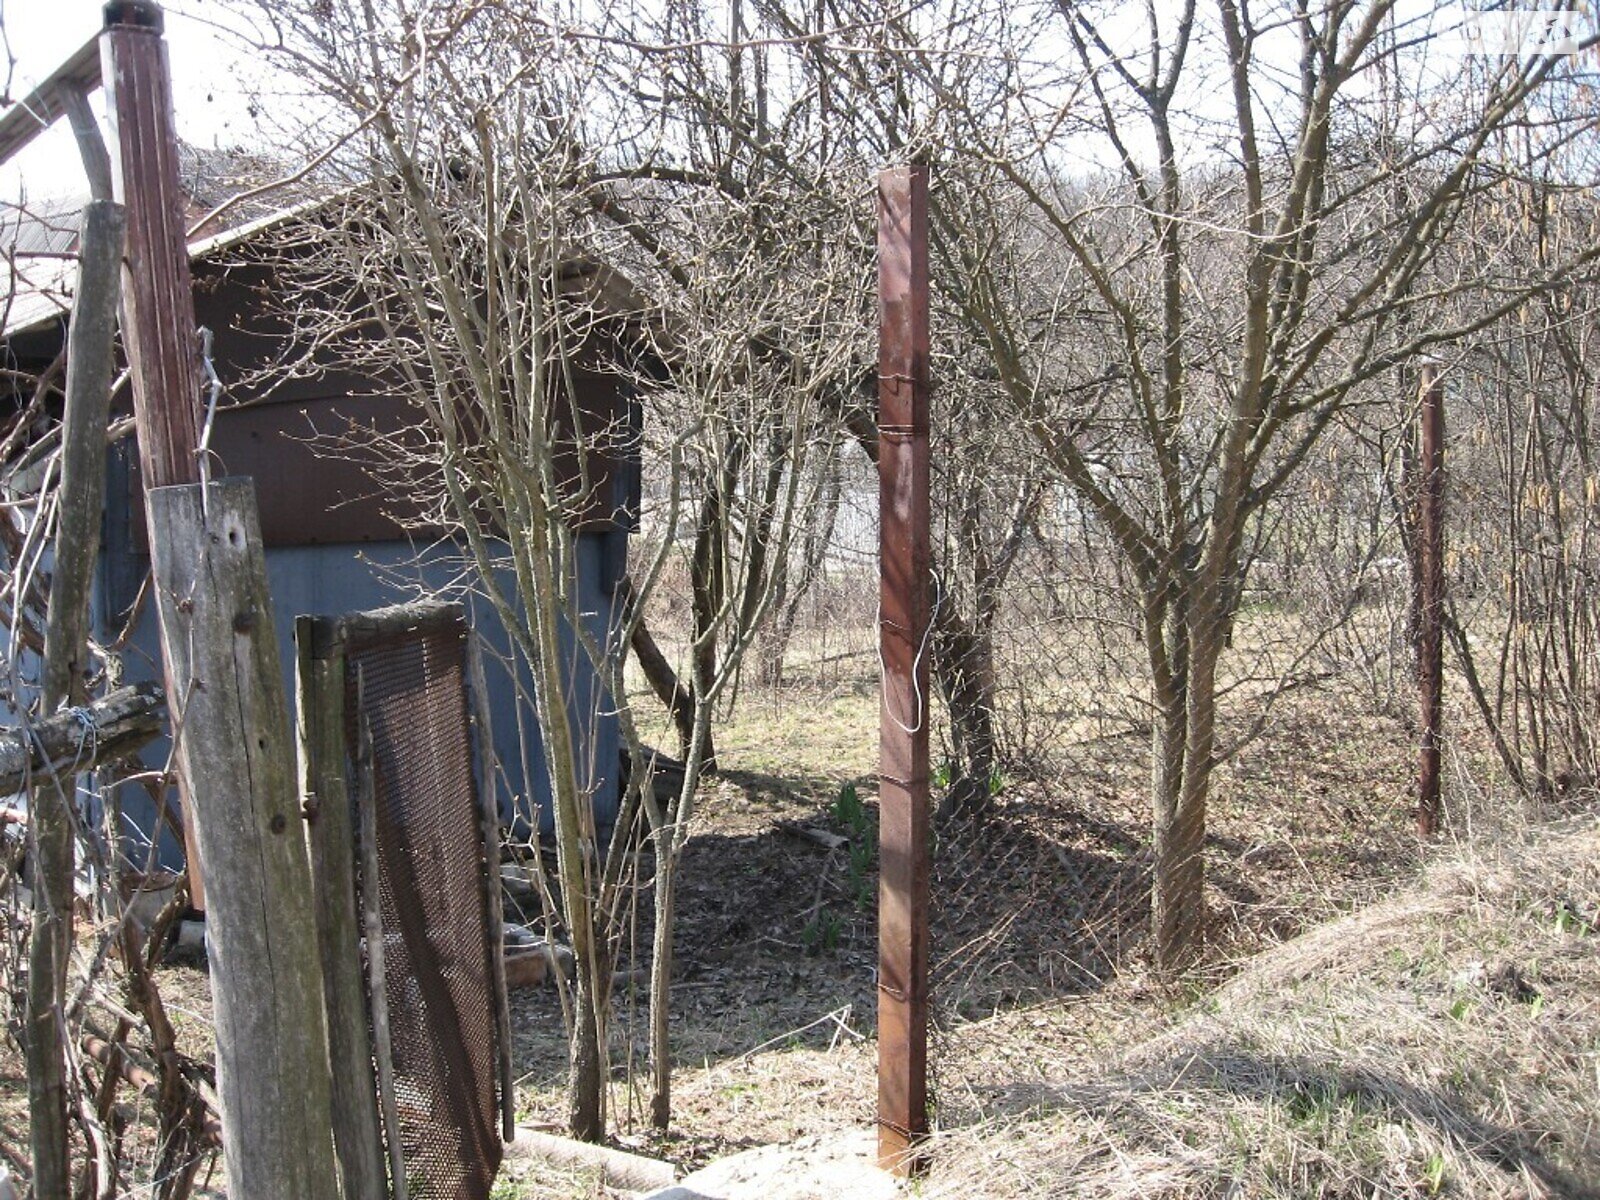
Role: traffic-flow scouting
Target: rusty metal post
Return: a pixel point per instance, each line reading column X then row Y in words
column 1430, row 597
column 158, row 324
column 903, row 631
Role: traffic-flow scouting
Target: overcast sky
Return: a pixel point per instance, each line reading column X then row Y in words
column 213, row 82
column 216, row 77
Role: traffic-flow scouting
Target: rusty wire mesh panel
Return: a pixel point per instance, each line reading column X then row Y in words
column 438, row 962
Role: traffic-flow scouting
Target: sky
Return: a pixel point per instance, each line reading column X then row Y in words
column 216, row 76
column 213, row 81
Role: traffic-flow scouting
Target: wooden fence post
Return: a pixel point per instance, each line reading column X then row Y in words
column 904, row 580
column 210, row 585
column 324, row 768
column 158, row 325
column 90, row 340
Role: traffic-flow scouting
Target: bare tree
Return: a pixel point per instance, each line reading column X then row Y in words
column 527, row 216
column 1236, row 302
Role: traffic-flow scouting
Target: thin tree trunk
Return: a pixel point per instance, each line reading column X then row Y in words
column 1167, row 645
column 586, row 1091
column 1181, row 924
column 1176, row 851
column 707, row 581
column 663, row 680
column 661, row 952
column 964, row 666
column 670, row 836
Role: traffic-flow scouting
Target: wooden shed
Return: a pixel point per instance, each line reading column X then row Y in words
column 339, row 535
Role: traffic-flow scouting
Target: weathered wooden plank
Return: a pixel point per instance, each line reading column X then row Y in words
column 158, row 301
column 158, row 325
column 490, row 809
column 91, row 146
column 39, row 109
column 329, row 636
column 210, row 584
column 325, row 796
column 90, row 365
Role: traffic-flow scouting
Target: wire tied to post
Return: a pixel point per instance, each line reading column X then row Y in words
column 88, row 734
column 203, row 450
column 916, row 662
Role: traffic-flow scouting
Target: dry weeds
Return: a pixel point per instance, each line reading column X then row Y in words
column 1349, row 1035
column 1443, row 1043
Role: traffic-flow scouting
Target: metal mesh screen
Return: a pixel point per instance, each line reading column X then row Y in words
column 431, row 892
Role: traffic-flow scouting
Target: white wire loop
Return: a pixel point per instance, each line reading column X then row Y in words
column 916, row 662
column 214, row 384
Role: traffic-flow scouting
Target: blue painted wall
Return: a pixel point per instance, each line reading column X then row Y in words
column 336, row 579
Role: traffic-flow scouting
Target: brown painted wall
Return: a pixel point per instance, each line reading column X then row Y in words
column 281, row 428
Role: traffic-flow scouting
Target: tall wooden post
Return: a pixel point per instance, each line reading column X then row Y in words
column 91, row 338
column 225, row 683
column 158, row 325
column 1430, row 597
column 904, row 585
column 210, row 584
column 319, row 680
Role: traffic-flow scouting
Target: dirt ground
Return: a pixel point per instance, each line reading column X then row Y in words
column 1038, row 943
column 1038, row 924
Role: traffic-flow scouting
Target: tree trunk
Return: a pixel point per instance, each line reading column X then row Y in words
column 707, row 584
column 586, row 1084
column 1173, row 884
column 1176, row 887
column 1180, row 846
column 668, row 688
column 964, row 665
column 669, row 834
column 50, row 829
column 661, row 947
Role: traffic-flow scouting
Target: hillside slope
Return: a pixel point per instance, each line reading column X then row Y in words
column 1442, row 1043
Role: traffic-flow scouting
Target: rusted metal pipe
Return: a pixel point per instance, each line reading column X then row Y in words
column 903, row 628
column 1430, row 597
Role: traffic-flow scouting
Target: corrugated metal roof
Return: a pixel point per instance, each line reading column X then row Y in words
column 39, row 238
column 37, row 291
column 38, row 242
column 39, row 265
column 38, row 259
column 43, row 227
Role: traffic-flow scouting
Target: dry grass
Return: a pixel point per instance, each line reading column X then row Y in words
column 1039, row 915
column 1351, row 1034
column 1445, row 1042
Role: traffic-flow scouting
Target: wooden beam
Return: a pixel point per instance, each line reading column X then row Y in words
column 91, row 341
column 158, row 328
column 325, row 795
column 81, row 496
column 27, row 118
column 81, row 740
